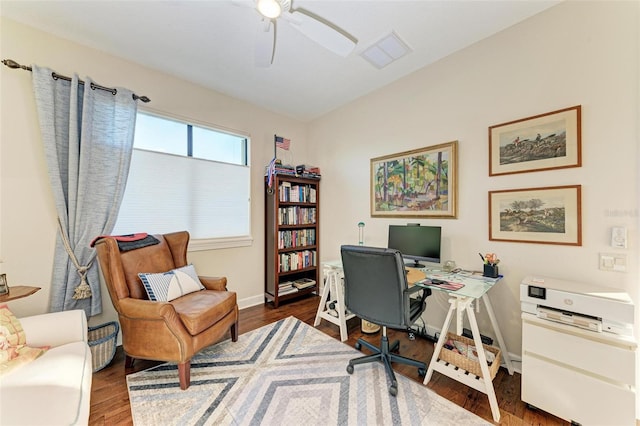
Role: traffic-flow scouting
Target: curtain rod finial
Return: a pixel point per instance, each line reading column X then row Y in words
column 11, row 63
column 14, row 65
column 141, row 98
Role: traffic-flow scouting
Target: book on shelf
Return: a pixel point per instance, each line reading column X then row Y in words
column 287, row 291
column 285, row 284
column 304, row 283
column 297, row 260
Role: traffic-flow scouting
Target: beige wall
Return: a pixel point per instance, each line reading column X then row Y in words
column 576, row 53
column 27, row 215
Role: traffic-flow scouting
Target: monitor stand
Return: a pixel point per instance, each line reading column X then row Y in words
column 415, row 264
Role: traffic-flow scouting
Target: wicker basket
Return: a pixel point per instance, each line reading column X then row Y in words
column 102, row 342
column 461, row 361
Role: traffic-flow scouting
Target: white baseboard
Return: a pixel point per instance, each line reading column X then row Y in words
column 251, row 301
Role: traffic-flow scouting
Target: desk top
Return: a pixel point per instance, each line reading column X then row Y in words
column 475, row 286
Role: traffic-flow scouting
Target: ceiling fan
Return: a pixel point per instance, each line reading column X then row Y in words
column 318, row 29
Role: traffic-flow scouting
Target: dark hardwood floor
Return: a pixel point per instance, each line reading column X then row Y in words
column 110, row 399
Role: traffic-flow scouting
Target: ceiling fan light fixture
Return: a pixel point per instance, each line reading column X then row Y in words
column 269, row 8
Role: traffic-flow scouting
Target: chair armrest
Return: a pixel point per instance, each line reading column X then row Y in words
column 56, row 328
column 214, row 283
column 145, row 309
column 416, row 288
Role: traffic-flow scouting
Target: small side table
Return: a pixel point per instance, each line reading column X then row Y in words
column 18, row 292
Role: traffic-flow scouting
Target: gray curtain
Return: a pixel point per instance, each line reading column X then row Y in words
column 88, row 139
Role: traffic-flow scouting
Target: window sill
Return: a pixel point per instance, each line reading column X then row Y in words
column 219, row 243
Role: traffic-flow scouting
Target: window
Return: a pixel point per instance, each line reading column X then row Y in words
column 187, row 177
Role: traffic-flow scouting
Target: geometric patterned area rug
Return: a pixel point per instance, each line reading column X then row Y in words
column 285, row 373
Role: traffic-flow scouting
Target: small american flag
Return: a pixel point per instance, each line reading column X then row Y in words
column 283, row 143
column 271, row 170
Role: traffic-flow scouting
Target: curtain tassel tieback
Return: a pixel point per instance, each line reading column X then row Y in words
column 83, row 290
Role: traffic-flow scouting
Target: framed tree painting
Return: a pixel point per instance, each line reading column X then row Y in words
column 418, row 183
column 550, row 215
column 541, row 142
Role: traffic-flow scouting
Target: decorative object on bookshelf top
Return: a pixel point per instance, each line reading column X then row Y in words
column 276, row 167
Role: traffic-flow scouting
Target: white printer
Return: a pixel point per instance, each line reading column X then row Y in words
column 582, row 305
column 578, row 351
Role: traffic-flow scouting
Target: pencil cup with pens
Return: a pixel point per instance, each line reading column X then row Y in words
column 490, row 268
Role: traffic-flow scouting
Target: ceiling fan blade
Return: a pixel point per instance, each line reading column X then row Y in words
column 244, row 3
column 323, row 32
column 265, row 43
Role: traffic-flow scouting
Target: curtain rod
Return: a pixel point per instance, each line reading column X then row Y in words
column 14, row 65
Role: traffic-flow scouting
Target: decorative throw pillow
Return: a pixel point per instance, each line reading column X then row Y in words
column 13, row 349
column 167, row 286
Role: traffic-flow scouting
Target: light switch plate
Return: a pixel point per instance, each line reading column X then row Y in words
column 619, row 237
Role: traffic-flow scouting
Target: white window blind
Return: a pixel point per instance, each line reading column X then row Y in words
column 168, row 193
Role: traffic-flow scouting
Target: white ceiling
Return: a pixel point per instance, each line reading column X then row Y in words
column 211, row 43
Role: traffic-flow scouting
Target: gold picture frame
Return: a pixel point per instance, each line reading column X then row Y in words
column 542, row 142
column 418, row 183
column 546, row 215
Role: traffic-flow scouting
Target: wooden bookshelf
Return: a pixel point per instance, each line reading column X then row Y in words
column 291, row 238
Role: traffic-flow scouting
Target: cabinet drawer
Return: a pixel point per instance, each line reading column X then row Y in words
column 573, row 396
column 597, row 357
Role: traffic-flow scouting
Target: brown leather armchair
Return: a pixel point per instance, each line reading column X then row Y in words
column 165, row 331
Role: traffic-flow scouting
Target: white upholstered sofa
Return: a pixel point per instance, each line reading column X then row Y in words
column 55, row 388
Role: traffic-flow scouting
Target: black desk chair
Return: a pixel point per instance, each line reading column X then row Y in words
column 376, row 290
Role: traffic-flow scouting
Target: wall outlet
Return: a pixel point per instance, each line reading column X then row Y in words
column 613, row 262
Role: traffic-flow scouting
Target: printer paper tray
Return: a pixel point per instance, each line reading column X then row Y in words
column 569, row 318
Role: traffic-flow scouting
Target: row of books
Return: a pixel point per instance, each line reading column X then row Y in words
column 297, row 260
column 289, row 192
column 296, row 238
column 287, row 287
column 284, row 169
column 296, row 215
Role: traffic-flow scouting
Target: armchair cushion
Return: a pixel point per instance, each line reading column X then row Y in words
column 199, row 311
column 170, row 285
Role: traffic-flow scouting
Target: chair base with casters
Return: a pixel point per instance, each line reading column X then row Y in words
column 385, row 354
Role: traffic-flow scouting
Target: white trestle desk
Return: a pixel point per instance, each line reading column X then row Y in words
column 461, row 301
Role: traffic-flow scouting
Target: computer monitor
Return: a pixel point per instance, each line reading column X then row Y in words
column 416, row 242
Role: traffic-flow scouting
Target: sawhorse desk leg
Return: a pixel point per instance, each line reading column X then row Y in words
column 483, row 384
column 496, row 330
column 333, row 285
